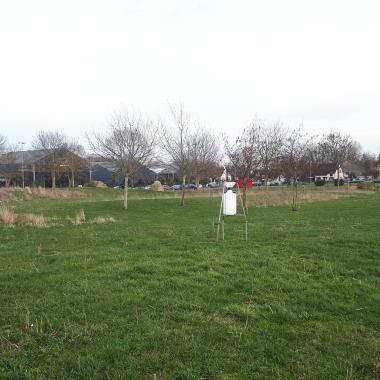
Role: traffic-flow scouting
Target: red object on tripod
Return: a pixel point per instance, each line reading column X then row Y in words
column 241, row 182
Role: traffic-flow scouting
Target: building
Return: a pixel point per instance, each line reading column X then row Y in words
column 39, row 168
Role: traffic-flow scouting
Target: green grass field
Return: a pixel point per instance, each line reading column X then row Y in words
column 154, row 296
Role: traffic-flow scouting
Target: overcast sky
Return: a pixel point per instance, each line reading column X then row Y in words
column 67, row 64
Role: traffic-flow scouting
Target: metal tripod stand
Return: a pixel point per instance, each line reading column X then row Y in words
column 220, row 222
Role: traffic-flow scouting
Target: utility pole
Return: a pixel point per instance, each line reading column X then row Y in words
column 22, row 163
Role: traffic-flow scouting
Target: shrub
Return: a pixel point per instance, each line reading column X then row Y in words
column 157, row 186
column 320, row 182
column 341, row 182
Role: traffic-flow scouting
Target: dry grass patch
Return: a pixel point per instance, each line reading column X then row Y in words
column 6, row 195
column 80, row 218
column 103, row 219
column 55, row 194
column 7, row 344
column 9, row 218
column 28, row 194
column 32, row 220
column 284, row 196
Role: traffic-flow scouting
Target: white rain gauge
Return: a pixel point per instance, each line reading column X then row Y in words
column 228, row 207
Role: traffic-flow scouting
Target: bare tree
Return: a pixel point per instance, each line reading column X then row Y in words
column 335, row 149
column 204, row 152
column 295, row 153
column 53, row 144
column 176, row 144
column 271, row 139
column 243, row 157
column 129, row 143
column 75, row 157
column 311, row 159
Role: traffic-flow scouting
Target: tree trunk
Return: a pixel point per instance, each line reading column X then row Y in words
column 245, row 196
column 53, row 179
column 72, row 178
column 183, row 190
column 34, row 175
column 197, row 182
column 126, row 192
column 295, row 193
column 266, row 190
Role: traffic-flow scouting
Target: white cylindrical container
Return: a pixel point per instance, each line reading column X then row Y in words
column 229, row 203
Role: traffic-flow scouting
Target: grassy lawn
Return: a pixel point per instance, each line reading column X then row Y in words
column 153, row 296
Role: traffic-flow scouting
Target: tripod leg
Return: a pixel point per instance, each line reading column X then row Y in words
column 219, row 219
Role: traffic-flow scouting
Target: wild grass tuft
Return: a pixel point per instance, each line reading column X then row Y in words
column 79, row 218
column 7, row 216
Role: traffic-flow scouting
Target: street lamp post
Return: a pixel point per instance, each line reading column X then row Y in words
column 22, row 163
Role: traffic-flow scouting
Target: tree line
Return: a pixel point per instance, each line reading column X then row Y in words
column 266, row 150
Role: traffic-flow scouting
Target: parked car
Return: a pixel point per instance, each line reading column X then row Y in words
column 356, row 181
column 166, row 187
column 177, row 187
